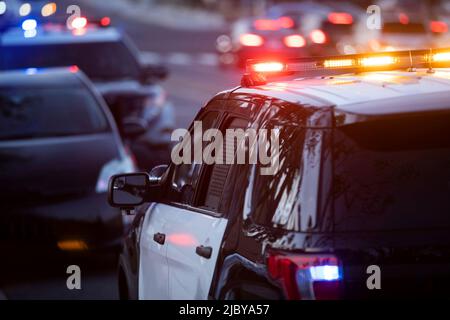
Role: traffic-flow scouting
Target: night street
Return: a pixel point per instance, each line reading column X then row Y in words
column 196, row 150
column 194, row 78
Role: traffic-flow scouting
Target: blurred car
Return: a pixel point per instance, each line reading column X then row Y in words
column 362, row 184
column 58, row 147
column 439, row 23
column 290, row 30
column 110, row 59
column 328, row 27
column 277, row 34
column 261, row 38
column 399, row 31
column 335, row 31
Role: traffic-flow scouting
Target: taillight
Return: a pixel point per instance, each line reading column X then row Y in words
column 306, row 276
column 105, row 21
column 266, row 24
column 318, row 36
column 251, row 40
column 340, row 18
column 286, row 22
column 403, row 18
column 294, row 41
column 74, row 69
column 438, row 27
column 272, row 25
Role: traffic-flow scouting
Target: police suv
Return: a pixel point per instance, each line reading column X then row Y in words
column 358, row 207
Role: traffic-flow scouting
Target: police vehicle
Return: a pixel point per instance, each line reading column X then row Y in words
column 109, row 58
column 59, row 146
column 359, row 201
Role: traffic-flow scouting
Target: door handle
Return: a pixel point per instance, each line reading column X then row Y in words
column 204, row 252
column 159, row 238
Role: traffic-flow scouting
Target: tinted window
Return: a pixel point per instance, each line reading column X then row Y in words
column 106, row 60
column 393, row 174
column 216, row 175
column 185, row 176
column 275, row 198
column 33, row 113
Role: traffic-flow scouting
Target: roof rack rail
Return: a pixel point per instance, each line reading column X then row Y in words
column 257, row 70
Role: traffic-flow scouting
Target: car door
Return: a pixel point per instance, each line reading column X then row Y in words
column 158, row 230
column 153, row 267
column 195, row 232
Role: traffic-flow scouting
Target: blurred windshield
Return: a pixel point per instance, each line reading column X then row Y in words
column 34, row 113
column 108, row 60
column 393, row 174
column 337, row 29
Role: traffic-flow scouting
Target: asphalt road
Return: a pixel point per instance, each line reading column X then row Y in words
column 194, row 78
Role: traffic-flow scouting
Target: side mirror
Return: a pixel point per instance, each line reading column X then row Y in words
column 157, row 174
column 151, row 72
column 129, row 190
column 133, row 127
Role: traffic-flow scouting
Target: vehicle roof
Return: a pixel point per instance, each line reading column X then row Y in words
column 44, row 77
column 60, row 35
column 372, row 93
column 301, row 7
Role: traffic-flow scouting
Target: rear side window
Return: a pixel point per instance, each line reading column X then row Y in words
column 393, row 174
column 216, row 175
column 186, row 175
column 28, row 113
column 275, row 198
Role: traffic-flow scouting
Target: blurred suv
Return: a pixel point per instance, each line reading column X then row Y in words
column 328, row 27
column 290, row 30
column 276, row 35
column 109, row 58
column 261, row 38
column 58, row 147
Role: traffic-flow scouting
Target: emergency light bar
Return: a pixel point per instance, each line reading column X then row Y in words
column 257, row 71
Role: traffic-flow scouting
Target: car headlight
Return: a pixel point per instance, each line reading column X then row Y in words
column 154, row 104
column 115, row 166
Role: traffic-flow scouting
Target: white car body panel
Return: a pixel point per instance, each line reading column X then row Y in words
column 153, row 267
column 189, row 275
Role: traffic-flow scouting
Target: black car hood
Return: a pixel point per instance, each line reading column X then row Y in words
column 42, row 169
column 125, row 88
